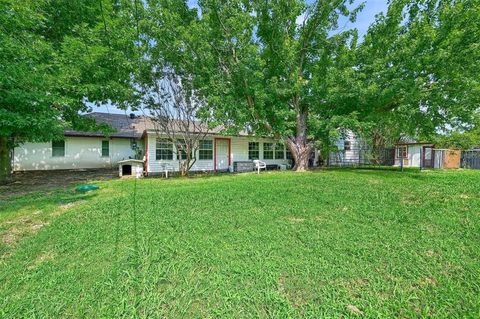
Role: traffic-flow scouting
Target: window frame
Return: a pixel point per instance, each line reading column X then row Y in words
column 253, row 150
column 276, row 151
column 202, row 150
column 402, row 151
column 56, row 148
column 107, row 148
column 160, row 156
column 268, row 148
column 347, row 145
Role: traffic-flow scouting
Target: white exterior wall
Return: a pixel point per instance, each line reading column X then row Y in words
column 80, row 152
column 239, row 152
column 414, row 152
column 343, row 155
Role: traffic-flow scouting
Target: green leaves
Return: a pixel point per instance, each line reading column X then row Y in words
column 56, row 56
column 419, row 66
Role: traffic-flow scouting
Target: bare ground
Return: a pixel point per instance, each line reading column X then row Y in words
column 33, row 181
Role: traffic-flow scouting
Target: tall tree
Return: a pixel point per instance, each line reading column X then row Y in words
column 271, row 64
column 54, row 58
column 261, row 65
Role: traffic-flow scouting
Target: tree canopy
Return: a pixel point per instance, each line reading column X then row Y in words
column 55, row 57
column 419, row 66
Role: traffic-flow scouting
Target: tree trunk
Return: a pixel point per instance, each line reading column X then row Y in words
column 5, row 162
column 298, row 145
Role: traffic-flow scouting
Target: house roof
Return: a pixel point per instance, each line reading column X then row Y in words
column 124, row 125
column 135, row 126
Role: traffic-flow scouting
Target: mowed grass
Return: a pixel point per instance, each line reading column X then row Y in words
column 327, row 244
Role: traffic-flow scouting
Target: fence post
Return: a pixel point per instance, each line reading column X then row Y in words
column 401, row 162
column 421, row 158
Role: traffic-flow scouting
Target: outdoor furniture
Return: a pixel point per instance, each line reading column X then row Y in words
column 243, row 166
column 165, row 168
column 259, row 165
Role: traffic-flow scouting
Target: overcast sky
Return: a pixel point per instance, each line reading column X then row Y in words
column 364, row 19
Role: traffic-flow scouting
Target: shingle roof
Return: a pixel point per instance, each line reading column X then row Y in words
column 134, row 127
column 123, row 124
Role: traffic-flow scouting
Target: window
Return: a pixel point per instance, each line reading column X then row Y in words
column 164, row 150
column 347, row 146
column 105, row 148
column 205, row 150
column 279, row 151
column 58, row 148
column 181, row 150
column 267, row 150
column 253, row 150
column 402, row 152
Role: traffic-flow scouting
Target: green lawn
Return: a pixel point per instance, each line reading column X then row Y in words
column 331, row 244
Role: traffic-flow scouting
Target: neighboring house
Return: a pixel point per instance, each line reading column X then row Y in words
column 348, row 151
column 136, row 137
column 414, row 153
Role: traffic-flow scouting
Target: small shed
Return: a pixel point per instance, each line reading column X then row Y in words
column 411, row 153
column 130, row 168
column 447, row 158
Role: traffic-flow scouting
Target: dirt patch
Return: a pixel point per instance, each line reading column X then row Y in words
column 427, row 281
column 281, row 284
column 296, row 297
column 375, row 181
column 408, row 199
column 34, row 181
column 431, row 253
column 64, row 207
column 353, row 309
column 10, row 236
column 46, row 256
column 24, row 226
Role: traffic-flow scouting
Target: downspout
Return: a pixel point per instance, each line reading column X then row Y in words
column 146, row 154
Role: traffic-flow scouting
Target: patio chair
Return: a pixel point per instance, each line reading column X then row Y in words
column 165, row 168
column 259, row 165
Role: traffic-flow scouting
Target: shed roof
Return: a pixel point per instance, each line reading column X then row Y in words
column 405, row 140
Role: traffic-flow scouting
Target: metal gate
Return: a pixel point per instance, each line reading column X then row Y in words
column 428, row 156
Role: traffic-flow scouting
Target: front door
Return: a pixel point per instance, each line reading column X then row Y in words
column 222, row 153
column 428, row 157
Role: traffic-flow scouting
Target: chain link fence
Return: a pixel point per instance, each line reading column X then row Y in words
column 362, row 157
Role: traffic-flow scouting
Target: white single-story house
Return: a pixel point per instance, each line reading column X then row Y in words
column 137, row 138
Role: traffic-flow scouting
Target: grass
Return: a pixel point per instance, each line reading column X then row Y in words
column 330, row 244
